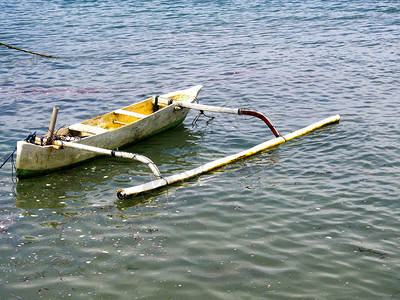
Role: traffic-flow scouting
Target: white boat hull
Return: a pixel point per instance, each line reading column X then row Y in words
column 33, row 159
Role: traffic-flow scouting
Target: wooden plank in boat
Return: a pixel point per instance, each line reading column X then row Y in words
column 87, row 128
column 129, row 113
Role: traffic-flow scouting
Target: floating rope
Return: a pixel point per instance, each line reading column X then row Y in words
column 13, row 173
column 201, row 113
column 35, row 53
column 30, row 139
column 8, row 157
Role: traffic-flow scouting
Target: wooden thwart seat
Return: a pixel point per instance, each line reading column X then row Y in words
column 87, row 128
column 129, row 113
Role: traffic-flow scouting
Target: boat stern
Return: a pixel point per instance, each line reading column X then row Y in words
column 33, row 159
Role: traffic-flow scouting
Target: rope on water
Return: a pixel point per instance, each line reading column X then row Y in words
column 30, row 139
column 35, row 53
column 13, row 173
column 201, row 113
column 8, row 157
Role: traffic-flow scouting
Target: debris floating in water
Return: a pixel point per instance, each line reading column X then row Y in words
column 381, row 255
column 27, row 51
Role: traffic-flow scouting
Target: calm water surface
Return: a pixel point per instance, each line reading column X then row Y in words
column 316, row 218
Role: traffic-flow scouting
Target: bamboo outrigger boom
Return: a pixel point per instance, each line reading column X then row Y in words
column 113, row 153
column 225, row 110
column 165, row 181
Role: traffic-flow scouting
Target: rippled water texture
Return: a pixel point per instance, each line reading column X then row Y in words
column 315, row 218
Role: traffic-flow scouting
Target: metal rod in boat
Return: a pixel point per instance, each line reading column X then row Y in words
column 53, row 122
column 225, row 110
column 158, row 184
column 113, row 153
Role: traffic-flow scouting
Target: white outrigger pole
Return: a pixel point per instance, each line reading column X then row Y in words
column 97, row 150
column 165, row 181
column 179, row 104
column 113, row 153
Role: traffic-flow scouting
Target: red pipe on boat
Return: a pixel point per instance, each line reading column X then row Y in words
column 260, row 116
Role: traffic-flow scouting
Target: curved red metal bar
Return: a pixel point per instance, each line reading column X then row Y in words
column 262, row 117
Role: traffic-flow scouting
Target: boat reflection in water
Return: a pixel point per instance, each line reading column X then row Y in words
column 97, row 181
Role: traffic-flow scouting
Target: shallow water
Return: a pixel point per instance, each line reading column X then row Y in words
column 314, row 218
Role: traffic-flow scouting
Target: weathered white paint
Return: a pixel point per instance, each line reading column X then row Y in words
column 225, row 110
column 121, row 154
column 33, row 159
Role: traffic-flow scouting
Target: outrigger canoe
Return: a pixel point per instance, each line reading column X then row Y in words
column 40, row 155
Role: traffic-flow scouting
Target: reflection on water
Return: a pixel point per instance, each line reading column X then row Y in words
column 55, row 190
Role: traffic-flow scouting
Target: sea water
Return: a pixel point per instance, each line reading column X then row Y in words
column 315, row 218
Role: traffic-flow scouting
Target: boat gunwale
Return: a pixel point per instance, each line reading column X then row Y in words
column 91, row 140
column 24, row 174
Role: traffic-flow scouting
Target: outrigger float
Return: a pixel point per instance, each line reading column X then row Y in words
column 101, row 135
column 165, row 181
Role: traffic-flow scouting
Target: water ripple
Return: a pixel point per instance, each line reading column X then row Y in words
column 314, row 218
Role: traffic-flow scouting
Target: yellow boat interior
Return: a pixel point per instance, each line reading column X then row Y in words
column 112, row 120
column 116, row 119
